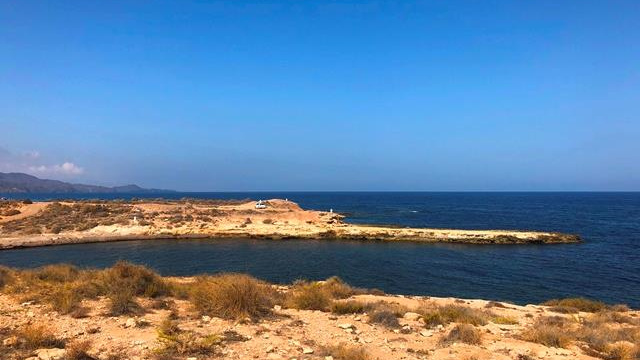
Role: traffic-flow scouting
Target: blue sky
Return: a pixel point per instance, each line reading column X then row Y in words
column 323, row 95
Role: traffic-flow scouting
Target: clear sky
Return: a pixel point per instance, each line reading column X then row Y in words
column 323, row 95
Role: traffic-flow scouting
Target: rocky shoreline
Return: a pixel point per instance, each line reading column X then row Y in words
column 70, row 222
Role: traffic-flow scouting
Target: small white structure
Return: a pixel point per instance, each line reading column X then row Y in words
column 261, row 205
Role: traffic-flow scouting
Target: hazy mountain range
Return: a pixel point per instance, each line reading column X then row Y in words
column 25, row 183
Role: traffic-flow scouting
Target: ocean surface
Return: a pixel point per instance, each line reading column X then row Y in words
column 606, row 266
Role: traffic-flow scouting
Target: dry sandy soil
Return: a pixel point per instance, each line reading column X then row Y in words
column 294, row 334
column 42, row 223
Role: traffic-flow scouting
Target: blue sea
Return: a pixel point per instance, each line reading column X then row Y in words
column 605, row 266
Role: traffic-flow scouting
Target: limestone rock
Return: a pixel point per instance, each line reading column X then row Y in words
column 50, row 354
column 411, row 316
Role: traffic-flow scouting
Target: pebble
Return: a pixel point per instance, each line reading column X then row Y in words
column 345, row 326
column 307, row 350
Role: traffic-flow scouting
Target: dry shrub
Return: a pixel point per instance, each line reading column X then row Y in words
column 306, row 295
column 609, row 340
column 338, row 289
column 504, row 320
column 38, row 336
column 552, row 331
column 136, row 279
column 574, row 305
column 78, row 350
column 232, row 296
column 66, row 299
column 309, row 297
column 123, row 302
column 6, row 276
column 57, row 273
column 608, row 316
column 464, row 333
column 443, row 315
column 176, row 342
column 348, row 307
column 385, row 318
column 345, row 352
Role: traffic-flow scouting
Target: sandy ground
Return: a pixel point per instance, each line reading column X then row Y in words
column 280, row 220
column 298, row 334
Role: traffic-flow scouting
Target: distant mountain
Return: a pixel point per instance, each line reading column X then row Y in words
column 24, row 183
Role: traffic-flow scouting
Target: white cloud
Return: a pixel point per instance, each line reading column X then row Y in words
column 31, row 162
column 66, row 168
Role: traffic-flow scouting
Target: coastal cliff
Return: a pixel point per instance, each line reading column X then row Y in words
column 25, row 224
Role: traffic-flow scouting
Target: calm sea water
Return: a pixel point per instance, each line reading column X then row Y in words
column 606, row 266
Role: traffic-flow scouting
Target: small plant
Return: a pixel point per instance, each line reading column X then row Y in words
column 38, row 336
column 78, row 350
column 348, row 307
column 6, row 276
column 549, row 331
column 232, row 296
column 177, row 342
column 570, row 305
column 464, row 333
column 309, row 297
column 385, row 318
column 504, row 320
column 345, row 352
column 123, row 303
column 442, row 315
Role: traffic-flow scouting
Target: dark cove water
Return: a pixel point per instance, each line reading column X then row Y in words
column 606, row 266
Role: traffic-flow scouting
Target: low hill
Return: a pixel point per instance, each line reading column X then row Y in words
column 25, row 183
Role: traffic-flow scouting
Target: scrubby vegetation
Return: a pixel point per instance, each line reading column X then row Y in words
column 464, row 333
column 77, row 216
column 348, row 307
column 443, row 315
column 177, row 343
column 573, row 305
column 549, row 331
column 607, row 332
column 345, row 352
column 232, row 296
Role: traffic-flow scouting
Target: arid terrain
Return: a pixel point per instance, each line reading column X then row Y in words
column 129, row 312
column 26, row 223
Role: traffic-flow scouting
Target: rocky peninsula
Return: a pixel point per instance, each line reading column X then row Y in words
column 27, row 223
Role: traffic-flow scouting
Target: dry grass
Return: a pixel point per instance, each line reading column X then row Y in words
column 232, row 296
column 348, row 307
column 550, row 331
column 504, row 320
column 318, row 295
column 573, row 305
column 6, row 276
column 464, row 333
column 33, row 337
column 345, row 352
column 443, row 315
column 78, row 216
column 78, row 350
column 176, row 342
column 608, row 338
column 385, row 318
column 308, row 297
